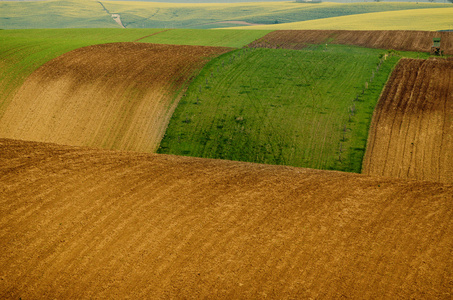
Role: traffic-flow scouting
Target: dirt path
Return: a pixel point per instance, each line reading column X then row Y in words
column 115, row 96
column 83, row 223
column 411, row 134
column 116, row 17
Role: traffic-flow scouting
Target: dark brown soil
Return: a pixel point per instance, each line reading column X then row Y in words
column 382, row 39
column 82, row 223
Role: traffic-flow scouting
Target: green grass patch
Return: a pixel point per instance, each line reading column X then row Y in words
column 308, row 108
column 200, row 37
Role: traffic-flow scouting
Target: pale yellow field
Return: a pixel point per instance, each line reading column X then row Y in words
column 216, row 8
column 430, row 19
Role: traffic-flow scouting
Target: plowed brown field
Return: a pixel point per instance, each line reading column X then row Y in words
column 81, row 223
column 411, row 134
column 115, row 96
column 382, row 39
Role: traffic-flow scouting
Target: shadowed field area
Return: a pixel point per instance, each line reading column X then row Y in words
column 116, row 96
column 411, row 133
column 404, row 40
column 84, row 223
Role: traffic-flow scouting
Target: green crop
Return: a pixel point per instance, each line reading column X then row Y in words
column 308, row 108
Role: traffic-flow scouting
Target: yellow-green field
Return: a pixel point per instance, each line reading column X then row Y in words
column 136, row 14
column 430, row 19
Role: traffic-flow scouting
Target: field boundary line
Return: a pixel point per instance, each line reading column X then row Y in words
column 144, row 37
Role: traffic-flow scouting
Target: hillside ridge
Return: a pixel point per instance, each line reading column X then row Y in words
column 83, row 223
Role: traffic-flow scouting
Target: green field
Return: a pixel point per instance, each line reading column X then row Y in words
column 90, row 14
column 304, row 108
column 199, row 37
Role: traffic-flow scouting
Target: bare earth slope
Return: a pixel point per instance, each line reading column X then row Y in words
column 115, row 96
column 382, row 39
column 81, row 223
column 411, row 134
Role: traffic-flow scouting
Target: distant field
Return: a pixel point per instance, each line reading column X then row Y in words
column 300, row 108
column 80, row 13
column 432, row 19
column 54, row 14
column 412, row 130
column 114, row 96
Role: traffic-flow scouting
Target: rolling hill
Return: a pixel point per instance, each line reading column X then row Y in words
column 87, row 223
column 136, row 14
column 116, row 96
column 430, row 19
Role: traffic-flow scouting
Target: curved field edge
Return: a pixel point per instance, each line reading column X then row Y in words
column 115, row 96
column 309, row 108
column 429, row 19
column 84, row 223
column 23, row 51
column 412, row 129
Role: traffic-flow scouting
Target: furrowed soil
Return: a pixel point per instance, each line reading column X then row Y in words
column 115, row 96
column 84, row 223
column 420, row 41
column 411, row 134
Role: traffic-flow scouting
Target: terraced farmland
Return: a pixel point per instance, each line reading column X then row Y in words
column 420, row 41
column 86, row 223
column 309, row 108
column 412, row 129
column 116, row 96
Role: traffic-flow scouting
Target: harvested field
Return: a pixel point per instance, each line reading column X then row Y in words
column 420, row 41
column 411, row 134
column 115, row 96
column 83, row 223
